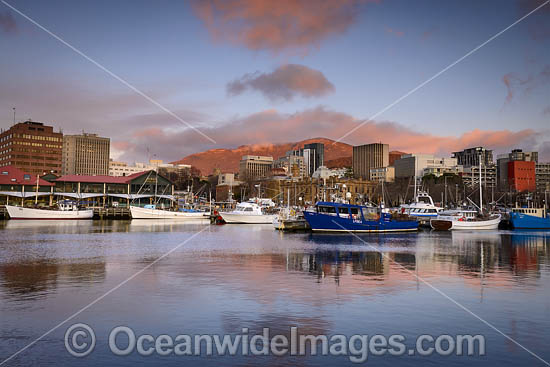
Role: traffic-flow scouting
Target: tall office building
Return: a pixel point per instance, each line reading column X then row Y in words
column 86, row 154
column 254, row 167
column 368, row 156
column 410, row 165
column 470, row 157
column 316, row 153
column 32, row 147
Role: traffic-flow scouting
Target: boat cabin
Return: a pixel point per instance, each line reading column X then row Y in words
column 248, row 208
column 425, row 198
column 355, row 212
column 535, row 212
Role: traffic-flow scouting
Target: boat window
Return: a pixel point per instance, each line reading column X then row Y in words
column 326, row 209
column 354, row 211
column 248, row 209
column 343, row 210
column 369, row 213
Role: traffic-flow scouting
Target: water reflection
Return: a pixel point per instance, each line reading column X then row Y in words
column 232, row 277
column 38, row 279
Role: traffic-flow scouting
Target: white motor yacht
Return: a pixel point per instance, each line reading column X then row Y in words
column 248, row 213
column 423, row 207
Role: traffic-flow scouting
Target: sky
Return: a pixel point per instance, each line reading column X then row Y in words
column 165, row 79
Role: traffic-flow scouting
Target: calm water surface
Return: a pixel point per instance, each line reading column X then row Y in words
column 236, row 276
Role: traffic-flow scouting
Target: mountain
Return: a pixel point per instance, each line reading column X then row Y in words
column 227, row 160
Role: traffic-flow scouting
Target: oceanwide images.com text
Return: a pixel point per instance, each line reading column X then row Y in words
column 80, row 341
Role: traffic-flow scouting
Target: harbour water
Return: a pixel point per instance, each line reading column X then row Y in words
column 231, row 277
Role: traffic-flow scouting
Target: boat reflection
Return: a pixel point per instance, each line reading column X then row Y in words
column 38, row 279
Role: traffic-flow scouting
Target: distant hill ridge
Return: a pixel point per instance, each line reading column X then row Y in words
column 227, row 160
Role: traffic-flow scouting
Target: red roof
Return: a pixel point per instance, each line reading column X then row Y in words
column 100, row 178
column 11, row 175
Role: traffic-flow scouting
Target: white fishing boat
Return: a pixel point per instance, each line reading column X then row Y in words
column 66, row 210
column 248, row 213
column 151, row 212
column 467, row 219
column 464, row 219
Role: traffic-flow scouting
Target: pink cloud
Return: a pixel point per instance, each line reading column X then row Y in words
column 284, row 83
column 271, row 126
column 395, row 32
column 277, row 25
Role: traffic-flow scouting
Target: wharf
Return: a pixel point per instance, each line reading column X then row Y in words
column 112, row 213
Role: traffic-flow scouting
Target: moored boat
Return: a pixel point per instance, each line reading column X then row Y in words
column 464, row 219
column 290, row 220
column 151, row 212
column 529, row 218
column 66, row 210
column 423, row 208
column 339, row 217
column 248, row 213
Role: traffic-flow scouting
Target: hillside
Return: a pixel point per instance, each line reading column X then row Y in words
column 227, row 160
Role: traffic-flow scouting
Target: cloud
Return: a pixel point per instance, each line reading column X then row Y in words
column 284, row 83
column 515, row 83
column 7, row 23
column 395, row 32
column 271, row 126
column 429, row 33
column 539, row 23
column 280, row 25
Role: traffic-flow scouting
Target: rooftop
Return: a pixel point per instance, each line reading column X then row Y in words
column 11, row 175
column 101, row 179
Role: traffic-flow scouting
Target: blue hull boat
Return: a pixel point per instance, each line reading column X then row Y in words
column 336, row 217
column 525, row 221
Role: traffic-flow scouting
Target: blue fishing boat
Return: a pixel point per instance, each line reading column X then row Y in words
column 338, row 217
column 529, row 218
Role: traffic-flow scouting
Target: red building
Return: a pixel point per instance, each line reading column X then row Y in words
column 521, row 175
column 32, row 147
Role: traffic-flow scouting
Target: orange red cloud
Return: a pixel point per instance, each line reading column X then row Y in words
column 277, row 25
column 284, row 83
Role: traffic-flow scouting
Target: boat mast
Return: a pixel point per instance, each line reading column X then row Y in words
column 480, row 188
column 415, row 197
column 36, row 196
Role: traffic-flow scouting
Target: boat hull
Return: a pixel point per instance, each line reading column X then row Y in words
column 149, row 213
column 247, row 219
column 332, row 223
column 524, row 221
column 17, row 212
column 454, row 224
